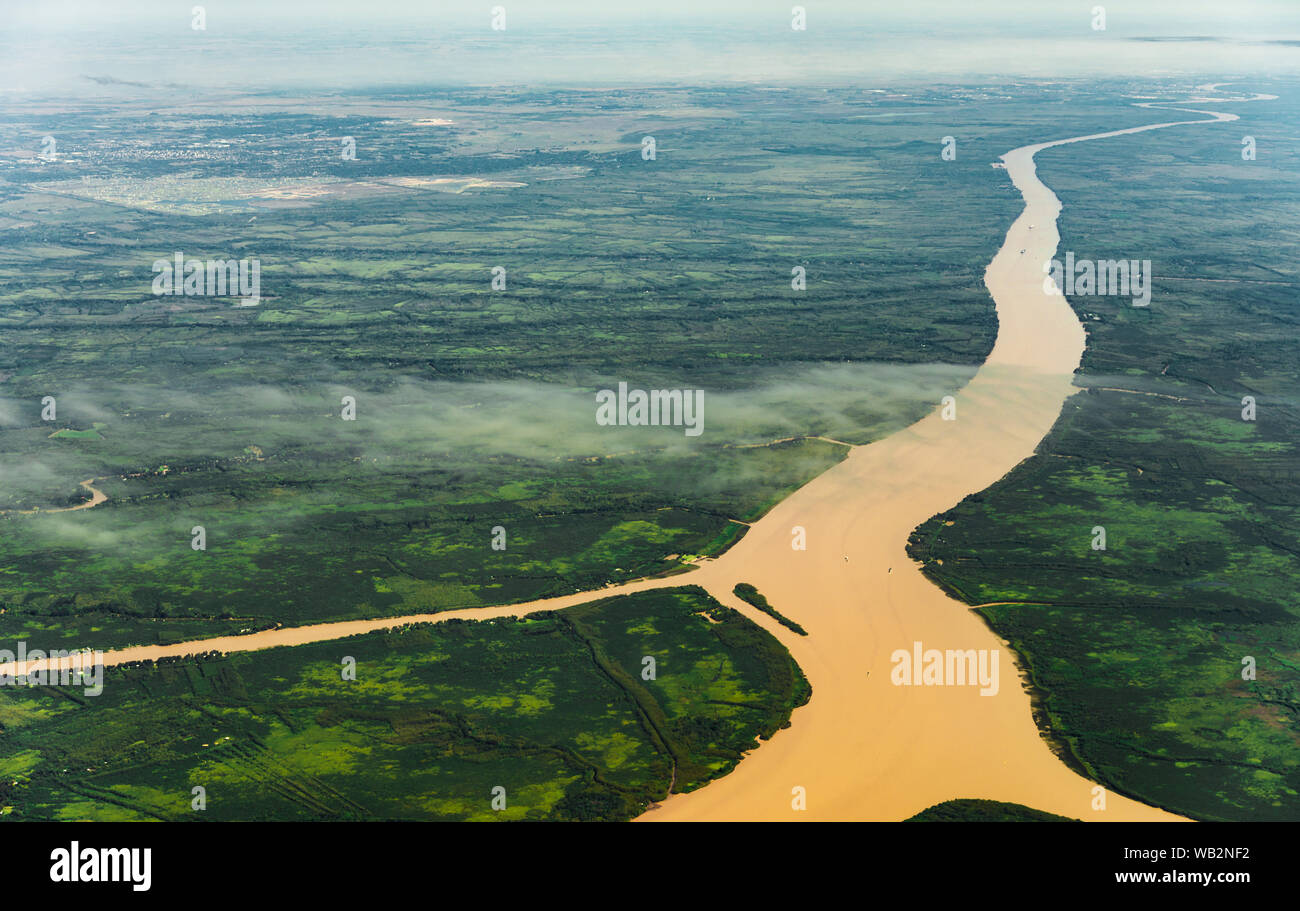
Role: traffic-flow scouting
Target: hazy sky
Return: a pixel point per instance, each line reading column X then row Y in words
column 1258, row 17
column 54, row 46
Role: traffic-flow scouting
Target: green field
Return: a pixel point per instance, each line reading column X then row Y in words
column 554, row 708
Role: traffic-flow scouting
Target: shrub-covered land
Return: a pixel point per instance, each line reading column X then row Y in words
column 751, row 595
